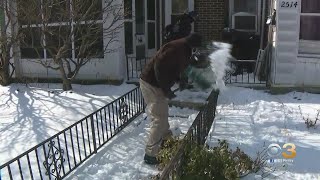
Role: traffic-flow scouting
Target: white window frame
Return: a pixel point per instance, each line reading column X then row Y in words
column 246, row 15
column 58, row 24
column 168, row 13
column 309, row 44
column 232, row 16
column 151, row 51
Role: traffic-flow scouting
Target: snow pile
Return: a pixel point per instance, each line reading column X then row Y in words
column 219, row 63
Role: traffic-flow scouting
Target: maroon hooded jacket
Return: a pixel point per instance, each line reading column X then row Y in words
column 164, row 69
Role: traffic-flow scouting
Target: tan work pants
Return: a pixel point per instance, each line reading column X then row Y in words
column 157, row 110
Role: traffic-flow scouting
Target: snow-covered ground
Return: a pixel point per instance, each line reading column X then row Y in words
column 253, row 119
column 30, row 115
column 250, row 119
column 122, row 158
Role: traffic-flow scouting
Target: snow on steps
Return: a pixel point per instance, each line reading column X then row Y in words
column 191, row 99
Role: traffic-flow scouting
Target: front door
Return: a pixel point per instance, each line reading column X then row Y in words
column 145, row 20
column 141, row 33
column 174, row 8
column 140, row 28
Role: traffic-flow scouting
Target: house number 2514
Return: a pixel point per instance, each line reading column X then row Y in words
column 287, row 4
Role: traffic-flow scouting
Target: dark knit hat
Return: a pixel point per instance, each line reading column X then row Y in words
column 194, row 39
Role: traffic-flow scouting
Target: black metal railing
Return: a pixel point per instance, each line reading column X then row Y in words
column 135, row 66
column 196, row 134
column 59, row 155
column 245, row 72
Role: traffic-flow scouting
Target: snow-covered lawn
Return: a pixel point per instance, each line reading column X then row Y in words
column 29, row 115
column 250, row 119
column 253, row 119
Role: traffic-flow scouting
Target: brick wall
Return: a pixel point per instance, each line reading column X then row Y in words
column 212, row 14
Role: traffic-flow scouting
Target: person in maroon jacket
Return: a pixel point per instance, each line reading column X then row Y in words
column 156, row 80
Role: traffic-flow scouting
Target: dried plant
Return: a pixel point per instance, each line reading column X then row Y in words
column 308, row 121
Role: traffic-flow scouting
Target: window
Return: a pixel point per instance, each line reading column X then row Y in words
column 127, row 9
column 128, row 26
column 310, row 27
column 30, row 46
column 151, row 21
column 151, row 35
column 1, row 16
column 249, row 6
column 244, row 15
column 49, row 25
column 179, row 7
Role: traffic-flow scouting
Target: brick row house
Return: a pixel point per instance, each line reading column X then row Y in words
column 239, row 22
column 139, row 37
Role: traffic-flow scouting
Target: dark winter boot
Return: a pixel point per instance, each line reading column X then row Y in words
column 150, row 160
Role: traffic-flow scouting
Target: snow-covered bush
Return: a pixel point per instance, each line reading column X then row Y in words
column 309, row 121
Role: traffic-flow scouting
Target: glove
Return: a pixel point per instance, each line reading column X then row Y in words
column 184, row 85
column 170, row 95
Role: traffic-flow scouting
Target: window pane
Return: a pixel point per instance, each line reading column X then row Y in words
column 310, row 6
column 249, row 6
column 30, row 46
column 151, row 36
column 56, row 37
column 128, row 37
column 175, row 18
column 56, row 10
column 179, row 6
column 310, row 27
column 140, row 17
column 245, row 22
column 87, row 9
column 309, row 47
column 1, row 16
column 128, row 9
column 141, row 51
column 151, row 9
column 89, row 41
column 30, row 15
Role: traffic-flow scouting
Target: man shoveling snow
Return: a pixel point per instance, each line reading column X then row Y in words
column 157, row 78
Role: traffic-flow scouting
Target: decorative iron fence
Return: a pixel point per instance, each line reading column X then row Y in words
column 135, row 66
column 242, row 71
column 245, row 72
column 59, row 155
column 197, row 134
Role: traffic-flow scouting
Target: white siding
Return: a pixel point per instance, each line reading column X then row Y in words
column 308, row 70
column 289, row 69
column 286, row 45
column 111, row 68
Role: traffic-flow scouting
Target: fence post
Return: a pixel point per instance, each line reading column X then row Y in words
column 93, row 134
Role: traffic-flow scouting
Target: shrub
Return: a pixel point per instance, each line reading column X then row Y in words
column 219, row 162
